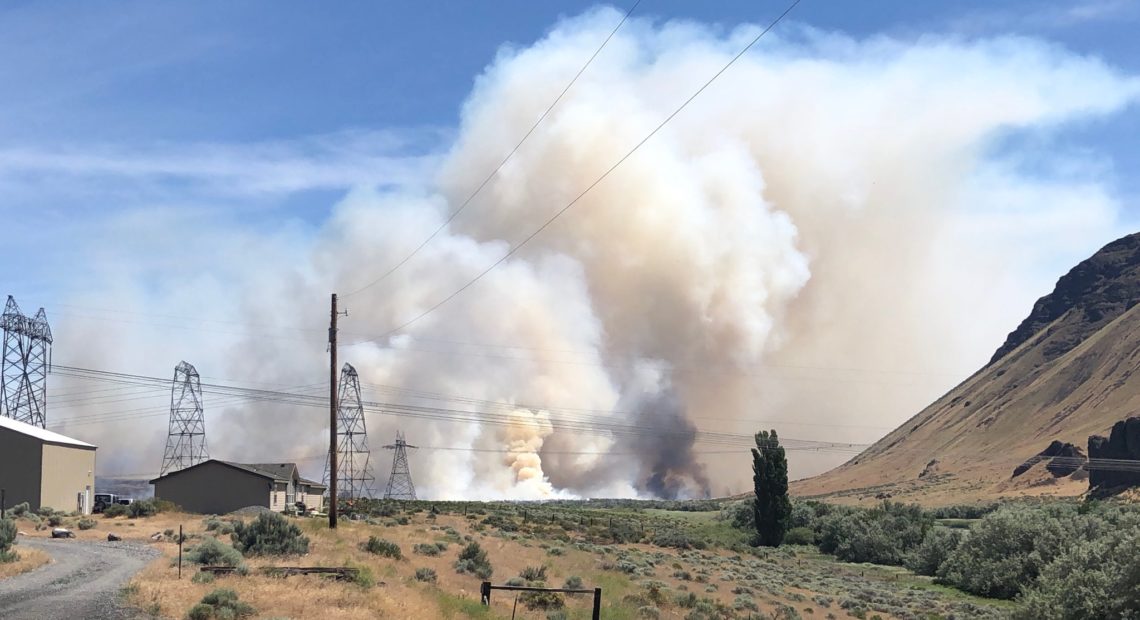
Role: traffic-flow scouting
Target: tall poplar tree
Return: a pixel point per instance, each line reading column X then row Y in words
column 772, row 508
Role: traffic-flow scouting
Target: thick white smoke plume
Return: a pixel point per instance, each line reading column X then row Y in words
column 832, row 234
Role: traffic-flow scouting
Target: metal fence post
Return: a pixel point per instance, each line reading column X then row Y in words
column 485, row 592
column 597, row 615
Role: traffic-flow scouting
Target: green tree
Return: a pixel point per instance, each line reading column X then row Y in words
column 772, row 508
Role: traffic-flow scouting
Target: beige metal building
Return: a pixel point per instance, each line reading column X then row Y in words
column 45, row 468
column 218, row 487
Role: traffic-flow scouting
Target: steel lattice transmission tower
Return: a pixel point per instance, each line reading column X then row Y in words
column 25, row 365
column 400, row 484
column 353, row 477
column 186, row 441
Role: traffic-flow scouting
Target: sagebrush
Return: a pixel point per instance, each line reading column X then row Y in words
column 269, row 534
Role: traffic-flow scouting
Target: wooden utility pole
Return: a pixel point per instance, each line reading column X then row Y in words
column 332, row 415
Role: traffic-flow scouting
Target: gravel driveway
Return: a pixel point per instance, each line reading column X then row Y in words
column 82, row 581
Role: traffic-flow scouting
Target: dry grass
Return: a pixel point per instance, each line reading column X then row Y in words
column 396, row 593
column 29, row 559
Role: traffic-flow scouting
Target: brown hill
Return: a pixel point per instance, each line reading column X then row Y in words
column 1065, row 373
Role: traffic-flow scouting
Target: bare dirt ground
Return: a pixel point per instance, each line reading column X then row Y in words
column 83, row 580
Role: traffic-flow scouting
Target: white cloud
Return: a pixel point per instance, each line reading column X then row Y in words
column 339, row 161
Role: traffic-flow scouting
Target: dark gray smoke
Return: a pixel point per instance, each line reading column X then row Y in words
column 670, row 469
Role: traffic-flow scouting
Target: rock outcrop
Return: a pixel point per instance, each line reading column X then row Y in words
column 1098, row 289
column 1122, row 444
column 1063, row 459
column 930, row 469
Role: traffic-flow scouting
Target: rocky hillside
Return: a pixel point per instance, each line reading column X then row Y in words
column 1070, row 370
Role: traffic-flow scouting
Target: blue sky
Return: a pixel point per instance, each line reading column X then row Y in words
column 255, row 71
column 260, row 113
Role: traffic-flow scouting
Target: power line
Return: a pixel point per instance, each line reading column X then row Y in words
column 494, row 172
column 604, row 425
column 1099, row 464
column 729, row 442
column 515, row 248
column 589, row 352
column 675, row 369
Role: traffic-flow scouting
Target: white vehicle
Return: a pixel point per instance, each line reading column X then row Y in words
column 102, row 500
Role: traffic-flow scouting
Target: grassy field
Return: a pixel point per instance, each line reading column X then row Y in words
column 649, row 562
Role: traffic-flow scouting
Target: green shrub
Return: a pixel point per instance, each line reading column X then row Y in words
column 573, row 582
column 542, row 600
column 533, row 573
column 676, row 539
column 147, row 507
column 426, row 549
column 806, row 514
column 20, row 509
column 269, row 534
column 882, row 535
column 473, row 559
column 799, row 536
column 114, row 510
column 740, row 515
column 7, row 539
column 379, row 546
column 221, row 604
column 425, row 574
column 45, row 511
column 963, row 511
column 220, row 527
column 201, row 611
column 213, row 552
column 87, row 524
column 202, row 577
column 363, row 576
column 55, row 520
column 929, row 556
column 1009, row 548
column 1098, row 579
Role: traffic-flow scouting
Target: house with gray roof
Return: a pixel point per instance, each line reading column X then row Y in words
column 218, row 487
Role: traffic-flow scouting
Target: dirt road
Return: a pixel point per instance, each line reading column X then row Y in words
column 82, row 581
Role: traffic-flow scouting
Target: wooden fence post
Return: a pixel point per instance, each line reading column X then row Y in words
column 180, row 551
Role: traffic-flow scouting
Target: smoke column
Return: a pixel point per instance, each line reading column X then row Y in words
column 823, row 242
